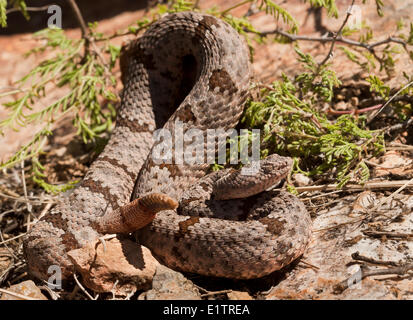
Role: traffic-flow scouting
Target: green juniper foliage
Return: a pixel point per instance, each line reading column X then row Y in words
column 87, row 86
column 287, row 111
column 18, row 4
column 291, row 126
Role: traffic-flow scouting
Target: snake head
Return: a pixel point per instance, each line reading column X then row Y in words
column 252, row 179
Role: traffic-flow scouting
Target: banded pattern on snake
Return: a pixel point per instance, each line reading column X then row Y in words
column 191, row 69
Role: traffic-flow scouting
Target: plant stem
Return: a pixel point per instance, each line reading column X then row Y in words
column 223, row 13
column 330, row 52
column 80, row 20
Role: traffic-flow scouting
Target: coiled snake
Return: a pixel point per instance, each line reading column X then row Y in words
column 188, row 71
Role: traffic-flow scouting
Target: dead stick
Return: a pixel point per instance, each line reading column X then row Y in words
column 401, row 270
column 367, row 46
column 80, row 20
column 345, row 284
column 388, row 101
column 388, row 234
column 213, row 293
column 357, row 256
column 338, row 33
column 17, row 295
column 357, row 187
column 44, row 8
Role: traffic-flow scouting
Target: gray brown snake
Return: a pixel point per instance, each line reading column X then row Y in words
column 226, row 224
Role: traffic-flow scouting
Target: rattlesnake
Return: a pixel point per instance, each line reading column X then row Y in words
column 200, row 64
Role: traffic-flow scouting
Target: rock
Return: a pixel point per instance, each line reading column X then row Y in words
column 124, row 267
column 392, row 162
column 337, row 235
column 365, row 201
column 25, row 288
column 170, row 285
column 301, row 179
column 239, row 295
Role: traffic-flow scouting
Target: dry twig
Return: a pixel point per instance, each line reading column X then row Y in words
column 214, row 293
column 17, row 295
column 388, row 101
column 338, row 33
column 83, row 289
column 357, row 256
column 387, row 234
column 34, row 9
column 371, row 185
column 345, row 284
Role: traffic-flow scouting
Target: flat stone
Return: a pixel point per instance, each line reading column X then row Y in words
column 328, row 260
column 170, row 285
column 239, row 295
column 123, row 268
column 25, row 288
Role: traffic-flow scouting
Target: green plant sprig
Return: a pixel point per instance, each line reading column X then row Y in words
column 87, row 88
column 284, row 110
column 291, row 125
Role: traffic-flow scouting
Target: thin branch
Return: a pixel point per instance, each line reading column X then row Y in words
column 17, row 295
column 44, row 211
column 44, row 8
column 399, row 126
column 339, row 38
column 3, row 242
column 321, row 195
column 22, row 199
column 53, row 294
column 90, row 41
column 117, row 34
column 357, row 256
column 309, row 264
column 372, row 185
column 208, row 293
column 338, row 33
column 345, row 284
column 406, row 183
column 83, row 289
column 80, row 20
column 388, row 101
column 387, row 234
column 113, row 289
column 213, row 293
column 407, row 148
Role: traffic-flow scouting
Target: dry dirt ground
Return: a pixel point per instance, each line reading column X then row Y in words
column 352, row 230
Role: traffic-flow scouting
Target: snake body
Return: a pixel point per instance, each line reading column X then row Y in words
column 188, row 71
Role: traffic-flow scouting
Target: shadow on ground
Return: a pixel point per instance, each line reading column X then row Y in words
column 92, row 10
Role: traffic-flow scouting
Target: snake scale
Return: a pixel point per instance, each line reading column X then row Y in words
column 192, row 69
